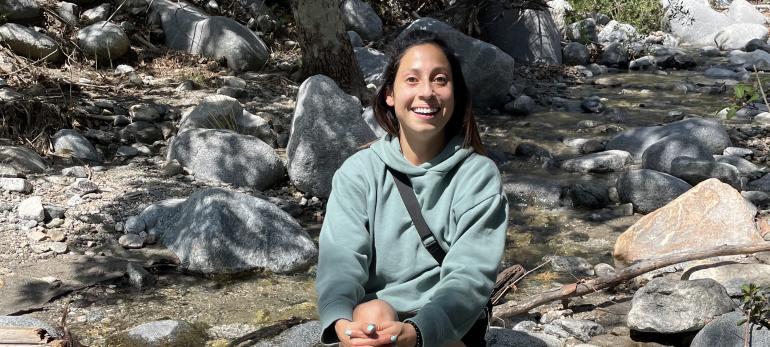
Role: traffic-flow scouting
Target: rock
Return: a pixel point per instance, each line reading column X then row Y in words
column 371, row 121
column 124, row 69
column 720, row 73
column 694, row 171
column 138, row 276
column 755, row 44
column 615, row 31
column 82, row 186
column 607, row 161
column 559, row 10
column 748, row 60
column 99, row 136
column 762, row 118
column 583, row 31
column 710, row 134
column 733, row 276
column 225, row 112
column 144, row 112
column 534, row 191
column 589, row 195
column 360, row 17
column 643, row 63
column 323, row 149
column 614, row 55
column 555, row 330
column 141, row 132
column 710, row 51
column 7, row 171
column 165, row 332
column 583, row 330
column 228, row 157
column 58, row 247
column 237, row 93
column 745, row 167
column 372, row 64
column 736, row 36
column 36, row 235
column 28, row 322
column 7, row 94
column 592, row 146
column 131, row 241
column 190, row 30
column 103, row 41
column 711, row 205
column 724, row 331
column 533, row 153
column 649, row 190
column 672, row 306
column 571, row 265
column 739, row 152
column 576, row 53
column 172, row 168
column 604, row 270
column 523, row 105
column 355, row 39
column 529, row 36
column 96, row 14
column 502, row 337
column 67, row 11
column 127, row 151
column 305, row 334
column 21, row 11
column 29, row 43
column 756, row 197
column 121, row 120
column 218, row 231
column 660, row 155
column 700, row 24
column 672, row 58
column 741, row 11
column 488, row 70
column 18, row 185
column 32, row 209
column 54, row 212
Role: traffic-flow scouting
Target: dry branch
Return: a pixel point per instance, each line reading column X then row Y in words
column 511, row 309
column 268, row 331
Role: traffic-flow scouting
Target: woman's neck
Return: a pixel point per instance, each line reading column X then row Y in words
column 417, row 150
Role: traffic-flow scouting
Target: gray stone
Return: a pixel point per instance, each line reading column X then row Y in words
column 228, row 157
column 126, row 151
column 615, row 31
column 237, row 93
column 355, row 39
column 8, row 171
column 124, row 69
column 21, row 11
column 756, row 197
column 144, row 112
column 70, row 142
column 710, row 134
column 360, row 17
column 699, row 25
column 607, row 161
column 534, row 191
column 28, row 322
column 755, row 44
column 748, row 60
column 371, row 121
column 559, row 10
column 523, row 105
column 190, row 30
column 82, row 186
column 643, row 63
column 131, row 241
column 488, row 70
column 141, row 132
column 592, row 104
column 576, row 53
column 660, row 155
column 305, row 334
column 54, row 212
column 96, row 14
column 591, row 195
column 571, row 265
column 694, row 171
column 172, row 168
column 745, row 167
column 103, row 41
column 162, row 332
column 710, row 51
column 232, row 81
column 138, row 276
column 22, row 159
column 59, row 247
column 154, row 215
column 327, row 129
column 100, row 136
column 583, row 31
column 614, row 55
column 218, row 231
column 762, row 184
column 720, row 73
column 32, row 209
column 724, row 331
column 555, row 330
column 672, row 306
column 736, row 36
column 7, row 94
column 18, row 185
column 732, row 276
column 502, row 337
column 649, row 190
column 604, row 270
column 739, row 152
column 29, row 43
column 372, row 64
column 533, row 153
column 121, row 120
column 134, row 225
column 529, row 36
column 583, row 330
column 741, row 11
column 68, row 11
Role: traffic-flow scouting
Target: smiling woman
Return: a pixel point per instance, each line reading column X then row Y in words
column 415, row 225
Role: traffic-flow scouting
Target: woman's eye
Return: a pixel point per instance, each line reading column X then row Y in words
column 411, row 80
column 441, row 80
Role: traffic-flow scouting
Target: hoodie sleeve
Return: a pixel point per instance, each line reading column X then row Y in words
column 344, row 252
column 467, row 273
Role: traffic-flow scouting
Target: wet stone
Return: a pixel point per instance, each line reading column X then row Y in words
column 568, row 264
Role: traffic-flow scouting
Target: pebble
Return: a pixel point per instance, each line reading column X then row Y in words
column 738, row 151
column 32, row 209
column 75, row 171
column 55, row 223
column 18, row 185
column 36, row 235
column 131, row 241
column 57, row 235
column 59, row 247
column 82, row 187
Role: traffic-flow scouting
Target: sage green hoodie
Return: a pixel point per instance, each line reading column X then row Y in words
column 369, row 248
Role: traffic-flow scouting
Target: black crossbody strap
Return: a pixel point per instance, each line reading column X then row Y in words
column 413, row 207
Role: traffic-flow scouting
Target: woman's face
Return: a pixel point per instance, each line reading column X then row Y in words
column 423, row 94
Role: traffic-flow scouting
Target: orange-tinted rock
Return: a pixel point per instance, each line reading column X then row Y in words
column 708, row 215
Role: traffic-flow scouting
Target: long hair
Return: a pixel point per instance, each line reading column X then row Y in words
column 462, row 121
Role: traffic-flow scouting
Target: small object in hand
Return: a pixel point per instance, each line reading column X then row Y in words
column 370, row 328
column 348, row 332
column 393, row 339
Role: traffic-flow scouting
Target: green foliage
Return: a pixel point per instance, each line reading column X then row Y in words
column 755, row 304
column 744, row 94
column 645, row 15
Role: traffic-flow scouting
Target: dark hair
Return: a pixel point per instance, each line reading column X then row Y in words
column 462, row 121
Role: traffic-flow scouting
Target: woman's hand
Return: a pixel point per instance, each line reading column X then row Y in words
column 404, row 334
column 359, row 334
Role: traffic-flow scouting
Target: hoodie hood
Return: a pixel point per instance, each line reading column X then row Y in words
column 388, row 149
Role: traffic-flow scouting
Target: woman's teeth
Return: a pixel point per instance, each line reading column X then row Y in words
column 425, row 110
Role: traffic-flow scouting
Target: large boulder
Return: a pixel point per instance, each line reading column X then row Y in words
column 305, row 334
column 716, row 215
column 736, row 36
column 749, row 60
column 529, row 36
column 710, row 134
column 615, row 55
column 726, row 332
column 103, row 41
column 29, row 43
column 741, row 11
column 694, row 21
column 191, row 30
column 504, row 337
column 223, row 155
column 694, row 171
column 559, row 10
column 165, row 332
column 71, row 143
column 660, row 155
column 649, row 190
column 372, row 64
column 327, row 128
column 607, row 161
column 535, row 191
column 672, row 306
column 22, row 159
column 615, row 31
column 733, row 276
column 576, row 53
column 583, row 31
column 21, row 11
column 220, row 231
column 488, row 70
column 224, row 112
column 361, row 18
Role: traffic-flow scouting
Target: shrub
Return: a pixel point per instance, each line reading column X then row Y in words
column 646, row 15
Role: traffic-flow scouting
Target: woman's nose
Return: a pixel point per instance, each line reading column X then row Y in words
column 426, row 90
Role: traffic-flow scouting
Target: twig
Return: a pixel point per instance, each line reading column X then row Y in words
column 761, row 89
column 113, row 13
column 147, row 43
column 32, row 63
column 511, row 309
column 268, row 331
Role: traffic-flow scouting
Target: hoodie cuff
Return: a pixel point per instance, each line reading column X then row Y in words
column 330, row 314
column 431, row 328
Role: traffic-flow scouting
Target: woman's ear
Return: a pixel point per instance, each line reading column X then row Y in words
column 389, row 97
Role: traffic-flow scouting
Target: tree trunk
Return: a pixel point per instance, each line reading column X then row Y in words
column 325, row 46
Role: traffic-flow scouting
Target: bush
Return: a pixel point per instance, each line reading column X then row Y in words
column 646, row 15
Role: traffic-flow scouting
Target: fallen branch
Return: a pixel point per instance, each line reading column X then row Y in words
column 268, row 331
column 511, row 309
column 506, row 280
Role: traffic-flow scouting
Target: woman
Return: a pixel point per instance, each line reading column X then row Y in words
column 377, row 283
